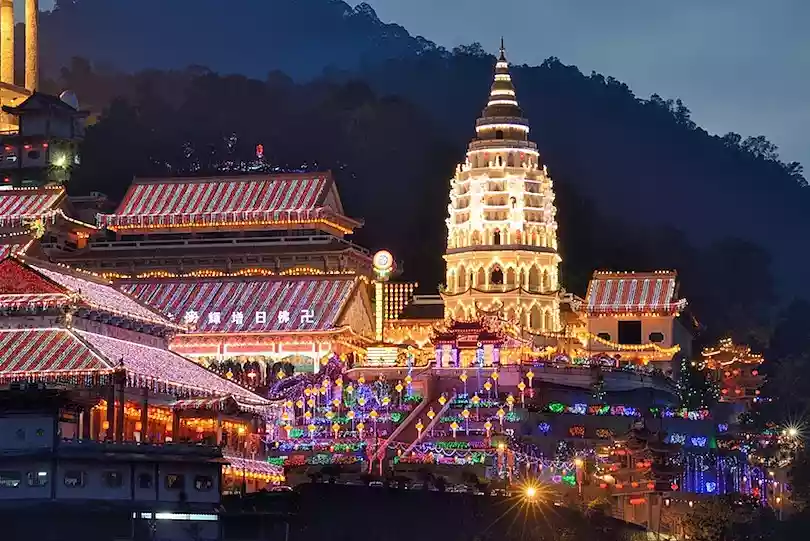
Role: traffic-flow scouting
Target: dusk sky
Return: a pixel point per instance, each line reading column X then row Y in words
column 739, row 65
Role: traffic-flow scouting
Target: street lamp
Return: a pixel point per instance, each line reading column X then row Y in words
column 531, row 492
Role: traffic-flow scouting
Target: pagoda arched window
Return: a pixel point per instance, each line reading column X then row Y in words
column 500, row 161
column 548, row 322
column 498, row 134
column 481, row 279
column 536, row 318
column 534, row 278
column 496, row 277
column 546, row 281
column 496, row 237
column 462, row 278
column 510, row 277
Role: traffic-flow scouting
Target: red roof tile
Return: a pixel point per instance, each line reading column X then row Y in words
column 624, row 292
column 268, row 304
column 45, row 350
column 201, row 202
column 17, row 205
column 8, row 249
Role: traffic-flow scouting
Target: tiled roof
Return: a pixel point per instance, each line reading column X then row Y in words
column 8, row 249
column 47, row 353
column 17, row 205
column 624, row 292
column 210, row 202
column 21, row 286
column 45, row 350
column 102, row 297
column 249, row 304
column 162, row 365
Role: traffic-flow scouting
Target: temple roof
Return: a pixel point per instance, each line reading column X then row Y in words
column 60, row 353
column 502, row 99
column 636, row 292
column 259, row 304
column 229, row 201
column 30, row 282
column 13, row 248
column 24, row 204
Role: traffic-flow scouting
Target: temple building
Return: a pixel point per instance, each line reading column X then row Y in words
column 736, row 369
column 633, row 316
column 70, row 330
column 501, row 229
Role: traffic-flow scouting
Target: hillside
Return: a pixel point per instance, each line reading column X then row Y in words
column 639, row 184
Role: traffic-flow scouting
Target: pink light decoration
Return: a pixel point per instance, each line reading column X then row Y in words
column 173, row 203
column 324, row 296
column 17, row 205
column 27, row 352
column 163, row 365
column 103, row 297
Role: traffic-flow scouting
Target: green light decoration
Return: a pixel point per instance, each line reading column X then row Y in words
column 556, row 407
column 603, row 410
column 297, row 433
column 570, row 479
column 453, row 444
column 396, row 417
column 276, row 460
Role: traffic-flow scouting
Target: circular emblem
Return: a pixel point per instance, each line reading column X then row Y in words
column 383, row 261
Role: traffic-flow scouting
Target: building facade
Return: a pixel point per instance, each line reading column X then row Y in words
column 501, row 229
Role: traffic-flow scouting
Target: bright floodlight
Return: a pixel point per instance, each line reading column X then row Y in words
column 793, row 431
column 531, row 492
column 60, row 161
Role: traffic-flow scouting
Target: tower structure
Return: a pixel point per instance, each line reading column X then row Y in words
column 502, row 233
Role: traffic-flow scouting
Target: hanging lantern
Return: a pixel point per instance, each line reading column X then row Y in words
column 494, row 375
column 454, row 427
column 339, row 381
column 311, row 429
column 308, row 415
column 487, row 386
column 510, row 401
column 311, row 402
column 408, row 379
column 463, row 377
column 307, row 391
column 501, row 414
column 399, row 387
column 431, row 414
column 336, row 403
column 350, row 388
column 350, row 414
column 300, row 404
column 329, row 415
column 361, row 401
column 465, row 413
column 374, row 415
column 419, row 427
column 361, row 380
column 488, row 427
column 475, row 399
column 386, row 400
column 360, row 428
column 335, row 429
column 442, row 400
column 288, row 427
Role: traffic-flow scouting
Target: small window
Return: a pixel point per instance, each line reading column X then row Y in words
column 630, row 332
column 656, row 337
column 10, row 479
column 113, row 479
column 34, row 154
column 203, row 483
column 604, row 336
column 74, row 479
column 175, row 481
column 145, row 480
column 498, row 134
column 496, row 278
column 37, row 478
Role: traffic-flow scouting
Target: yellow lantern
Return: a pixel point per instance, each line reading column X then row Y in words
column 280, row 374
column 510, row 401
column 431, row 414
column 465, row 413
column 487, row 427
column 386, row 400
column 487, row 385
column 308, row 415
column 399, row 387
column 336, row 402
column 454, row 427
column 289, row 403
column 311, row 429
column 408, row 379
column 360, row 428
column 475, row 399
column 335, row 429
column 419, row 427
column 329, row 415
column 501, row 414
column 307, row 391
column 311, row 402
column 339, row 382
column 350, row 388
column 442, row 400
column 288, row 427
column 495, row 376
column 361, row 380
column 350, row 414
column 373, row 414
column 300, row 404
column 530, row 377
column 361, row 401
column 522, row 386
column 463, row 377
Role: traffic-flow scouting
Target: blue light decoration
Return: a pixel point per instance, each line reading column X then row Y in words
column 579, row 409
column 698, row 441
column 711, row 487
column 722, row 428
column 677, row 438
column 545, row 428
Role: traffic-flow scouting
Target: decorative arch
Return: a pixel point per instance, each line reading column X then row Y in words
column 462, row 278
column 536, row 318
column 476, row 238
column 496, row 276
column 511, row 276
column 534, row 278
column 546, row 281
column 458, row 314
column 481, row 278
column 548, row 321
column 496, row 237
column 451, row 279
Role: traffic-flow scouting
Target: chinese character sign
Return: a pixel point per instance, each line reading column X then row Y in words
column 238, row 320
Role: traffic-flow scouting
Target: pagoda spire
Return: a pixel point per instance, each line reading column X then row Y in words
column 502, row 99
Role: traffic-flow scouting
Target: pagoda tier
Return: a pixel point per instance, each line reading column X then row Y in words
column 737, row 369
column 502, row 233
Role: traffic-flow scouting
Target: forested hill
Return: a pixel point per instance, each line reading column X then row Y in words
column 639, row 185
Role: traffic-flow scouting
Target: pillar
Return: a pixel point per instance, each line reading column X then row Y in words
column 108, row 434
column 145, row 416
column 31, row 44
column 122, row 401
column 7, row 41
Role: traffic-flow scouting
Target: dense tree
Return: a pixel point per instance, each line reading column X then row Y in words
column 730, row 518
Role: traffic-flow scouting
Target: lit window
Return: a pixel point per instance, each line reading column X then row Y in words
column 203, row 483
column 175, row 481
column 37, row 479
column 604, row 336
column 10, row 479
column 74, row 479
column 113, row 479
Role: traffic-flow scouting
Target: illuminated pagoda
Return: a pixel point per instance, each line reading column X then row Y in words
column 737, row 369
column 501, row 230
column 71, row 330
column 633, row 316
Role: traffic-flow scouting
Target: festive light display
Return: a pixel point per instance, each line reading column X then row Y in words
column 22, row 204
column 250, row 305
column 638, row 293
column 233, row 202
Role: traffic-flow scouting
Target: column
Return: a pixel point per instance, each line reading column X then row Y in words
column 145, row 416
column 31, row 44
column 7, row 41
column 108, row 434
